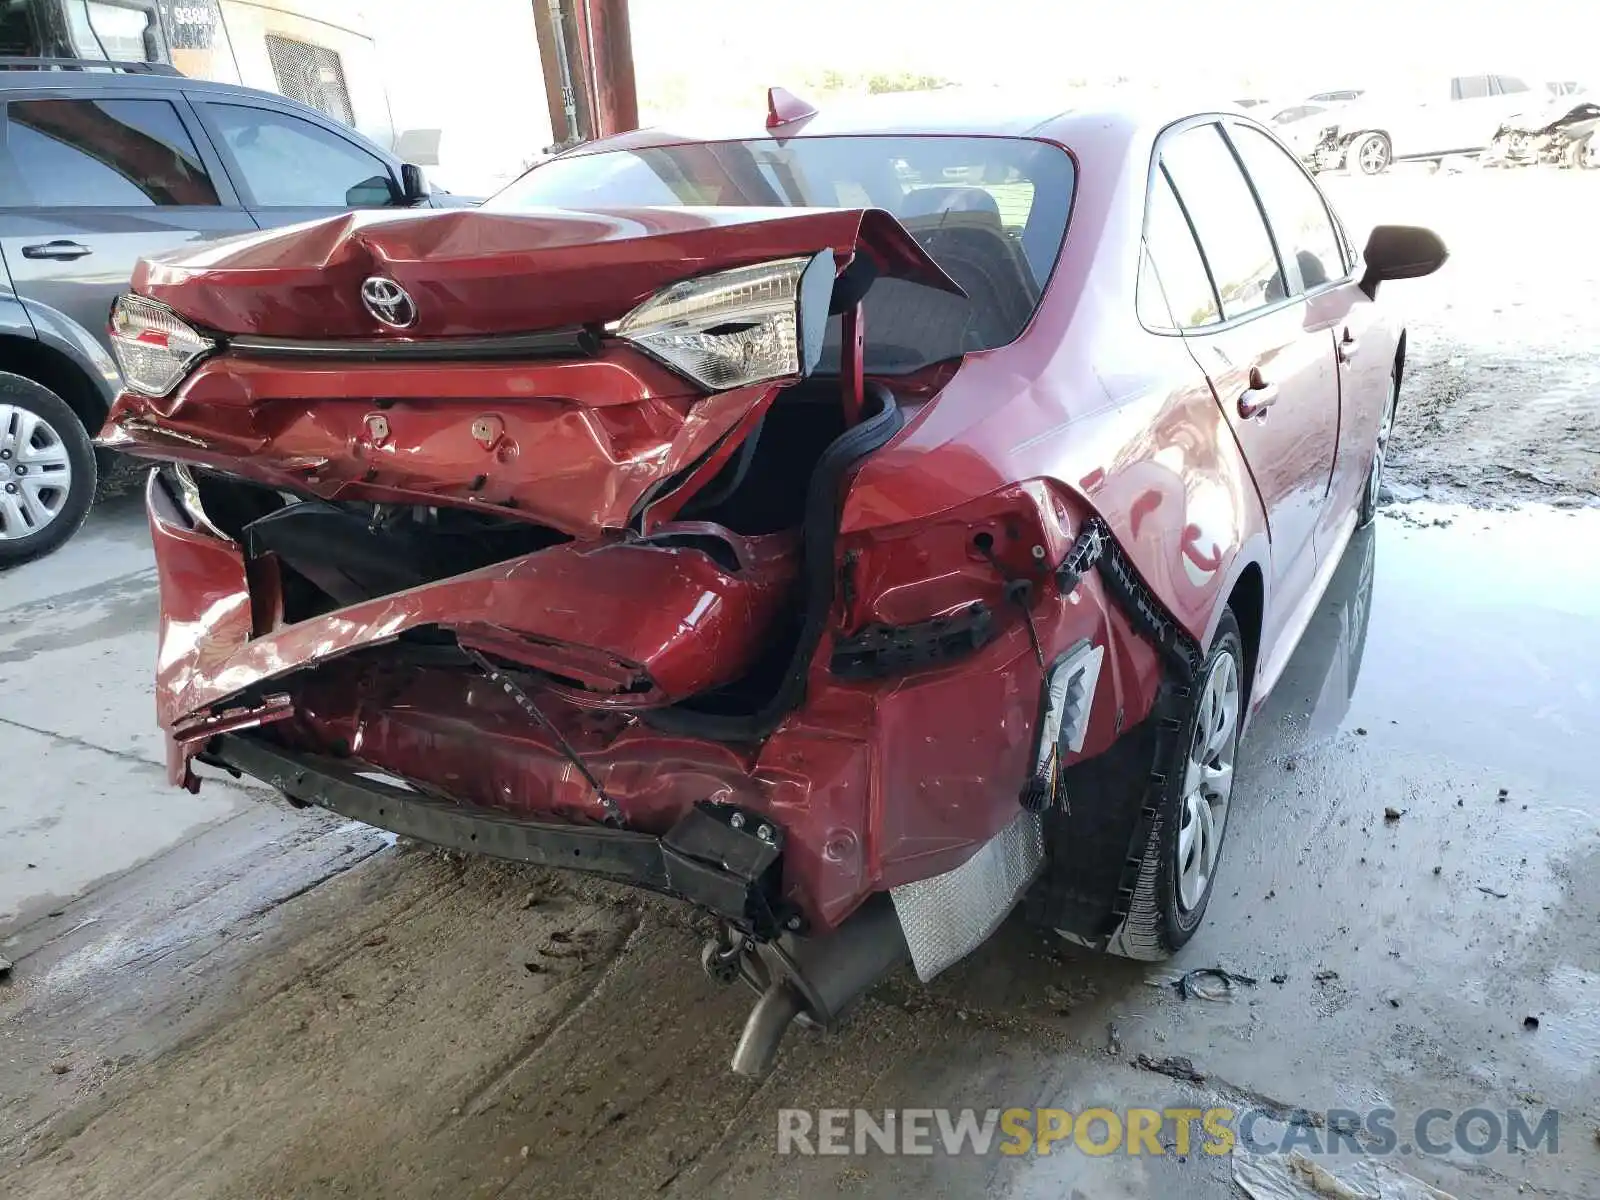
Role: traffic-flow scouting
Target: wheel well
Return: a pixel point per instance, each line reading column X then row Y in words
column 44, row 365
column 1400, row 360
column 1246, row 603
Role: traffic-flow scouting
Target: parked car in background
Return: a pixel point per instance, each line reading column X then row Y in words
column 99, row 168
column 1565, row 131
column 1300, row 126
column 774, row 523
column 1342, row 96
column 1454, row 116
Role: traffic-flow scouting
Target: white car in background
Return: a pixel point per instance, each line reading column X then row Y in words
column 1300, row 125
column 1452, row 116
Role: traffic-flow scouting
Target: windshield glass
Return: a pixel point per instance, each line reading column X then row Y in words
column 992, row 211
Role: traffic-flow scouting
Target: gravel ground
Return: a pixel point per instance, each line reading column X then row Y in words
column 1501, row 401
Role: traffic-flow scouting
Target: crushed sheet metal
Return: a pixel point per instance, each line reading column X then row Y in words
column 948, row 916
column 1296, row 1177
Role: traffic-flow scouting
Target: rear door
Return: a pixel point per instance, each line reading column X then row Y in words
column 1472, row 115
column 1271, row 365
column 1322, row 273
column 289, row 167
column 92, row 181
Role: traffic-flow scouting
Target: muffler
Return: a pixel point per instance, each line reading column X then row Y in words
column 815, row 979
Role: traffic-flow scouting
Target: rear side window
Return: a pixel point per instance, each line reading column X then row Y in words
column 1226, row 219
column 289, row 162
column 1300, row 221
column 102, row 154
column 1178, row 293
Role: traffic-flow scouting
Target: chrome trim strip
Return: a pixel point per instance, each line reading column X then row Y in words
column 576, row 341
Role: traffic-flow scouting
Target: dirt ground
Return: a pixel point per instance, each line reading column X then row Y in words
column 1501, row 401
column 242, row 1000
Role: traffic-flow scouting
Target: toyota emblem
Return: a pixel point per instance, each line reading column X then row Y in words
column 389, row 302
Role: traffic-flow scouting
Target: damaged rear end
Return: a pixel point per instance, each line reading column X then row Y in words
column 520, row 534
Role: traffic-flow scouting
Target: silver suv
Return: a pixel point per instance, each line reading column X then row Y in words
column 98, row 168
column 1454, row 116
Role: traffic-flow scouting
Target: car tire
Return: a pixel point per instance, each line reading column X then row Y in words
column 1178, row 872
column 1584, row 154
column 47, row 470
column 1371, row 154
column 1373, row 487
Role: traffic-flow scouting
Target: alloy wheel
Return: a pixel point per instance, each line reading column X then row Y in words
column 35, row 473
column 1208, row 782
column 1373, row 156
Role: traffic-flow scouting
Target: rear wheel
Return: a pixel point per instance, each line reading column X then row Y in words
column 1372, row 154
column 47, row 470
column 1380, row 455
column 1185, row 847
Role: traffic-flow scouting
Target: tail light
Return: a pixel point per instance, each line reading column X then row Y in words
column 738, row 327
column 936, row 570
column 154, row 346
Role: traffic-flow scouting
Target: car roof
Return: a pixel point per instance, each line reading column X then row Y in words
column 130, row 81
column 982, row 112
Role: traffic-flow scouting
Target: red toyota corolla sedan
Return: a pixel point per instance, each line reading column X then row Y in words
column 854, row 527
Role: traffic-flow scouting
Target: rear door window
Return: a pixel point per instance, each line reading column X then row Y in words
column 1175, row 289
column 1223, row 211
column 289, row 162
column 1306, row 236
column 102, row 154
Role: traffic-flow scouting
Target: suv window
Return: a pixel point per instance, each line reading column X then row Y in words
column 102, row 154
column 1295, row 209
column 1225, row 217
column 1469, row 87
column 1180, row 273
column 289, row 162
column 1509, row 85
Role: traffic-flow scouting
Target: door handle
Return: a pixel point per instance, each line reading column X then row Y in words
column 1258, row 397
column 60, row 250
column 1347, row 346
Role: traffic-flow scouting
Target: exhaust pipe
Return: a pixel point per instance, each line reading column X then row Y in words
column 819, row 979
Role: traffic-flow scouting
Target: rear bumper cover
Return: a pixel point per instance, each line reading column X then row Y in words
column 715, row 855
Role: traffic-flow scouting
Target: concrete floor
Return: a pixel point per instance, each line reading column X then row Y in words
column 217, row 996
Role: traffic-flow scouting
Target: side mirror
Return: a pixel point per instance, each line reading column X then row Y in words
column 414, row 187
column 1401, row 252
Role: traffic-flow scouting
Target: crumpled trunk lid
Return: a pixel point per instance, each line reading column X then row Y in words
column 311, row 393
column 480, row 273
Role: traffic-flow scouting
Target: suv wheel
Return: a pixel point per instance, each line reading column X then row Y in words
column 47, row 470
column 1185, row 847
column 1372, row 154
